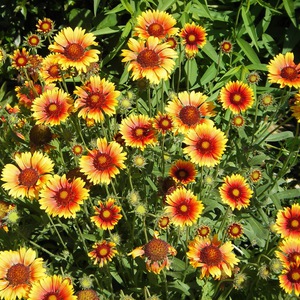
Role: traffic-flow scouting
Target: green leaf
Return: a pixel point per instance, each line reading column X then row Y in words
column 288, row 194
column 256, row 232
column 249, row 52
column 191, row 69
column 127, row 6
column 290, row 9
column 250, row 27
column 179, row 286
column 270, row 44
column 202, row 10
column 107, row 30
column 209, row 74
column 96, row 5
column 210, row 51
column 280, row 136
column 164, row 5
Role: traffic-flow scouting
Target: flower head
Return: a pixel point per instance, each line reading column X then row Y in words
column 283, row 70
column 18, row 271
column 104, row 163
column 45, row 26
column 20, row 58
column 290, row 279
column 103, row 252
column 253, row 77
column 235, row 230
column 50, row 70
column 205, row 145
column 163, row 123
column 266, row 99
column 226, row 46
column 204, row 231
column 236, row 96
column 235, row 192
column 213, row 257
column 27, row 177
column 255, row 175
column 88, row 294
column 183, row 171
column 289, row 251
column 238, row 121
column 71, row 47
column 295, row 107
column 149, row 59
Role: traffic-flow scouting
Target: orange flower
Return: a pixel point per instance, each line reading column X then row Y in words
column 45, row 26
column 213, row 257
column 288, row 222
column 137, row 131
column 156, row 254
column 149, row 59
column 52, row 287
column 50, row 70
column 62, row 198
column 289, row 252
column 20, row 59
column 205, row 145
column 107, row 215
column 52, row 107
column 102, row 164
column 284, row 71
column 163, row 123
column 194, row 37
column 103, row 252
column 189, row 110
column 236, row 96
column 71, row 46
column 183, row 171
column 155, row 23
column 203, row 231
column 183, row 207
column 164, row 222
column 235, row 192
column 18, row 270
column 235, row 230
column 30, row 174
column 290, row 279
column 96, row 98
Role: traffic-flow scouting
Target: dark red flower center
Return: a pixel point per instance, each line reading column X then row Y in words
column 74, row 51
column 189, row 115
column 294, row 275
column 155, row 29
column 235, row 230
column 289, row 73
column 54, row 71
column 226, row 47
column 95, row 100
column 204, row 145
column 33, row 40
column 293, row 257
column 294, row 223
column 211, row 255
column 28, row 177
column 105, row 214
column 148, row 58
column 191, row 39
column 102, row 161
column 203, row 231
column 235, row 192
column 103, row 250
column 183, row 209
column 156, row 249
column 21, row 61
column 45, row 26
column 18, row 274
column 51, row 296
column 182, row 174
column 141, row 132
column 236, row 98
column 53, row 110
column 165, row 124
column 64, row 196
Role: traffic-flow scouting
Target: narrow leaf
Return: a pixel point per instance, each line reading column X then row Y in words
column 96, row 5
column 249, row 25
column 290, row 9
column 249, row 52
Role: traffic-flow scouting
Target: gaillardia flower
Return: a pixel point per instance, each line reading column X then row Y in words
column 50, row 71
column 183, row 171
column 61, row 197
column 156, row 254
column 30, row 174
column 183, row 208
column 71, row 47
column 103, row 252
column 155, row 23
column 205, row 145
column 283, row 70
column 289, row 251
column 235, row 230
column 290, row 279
column 295, row 107
column 236, row 96
column 20, row 58
column 107, row 214
column 103, row 163
column 213, row 257
column 52, row 288
column 203, row 231
column 189, row 109
column 163, row 123
column 288, row 222
column 193, row 37
column 149, row 59
column 45, row 26
column 96, row 98
column 235, row 192
column 52, row 107
column 18, row 270
column 137, row 131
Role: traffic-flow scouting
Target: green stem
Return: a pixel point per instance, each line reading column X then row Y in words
column 58, row 234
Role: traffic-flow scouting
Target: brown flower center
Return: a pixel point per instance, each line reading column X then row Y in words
column 203, row 231
column 45, row 26
column 74, row 51
column 189, row 115
column 294, row 224
column 54, row 71
column 289, row 73
column 156, row 250
column 87, row 295
column 33, row 40
column 203, row 146
column 103, row 250
column 102, row 161
column 191, row 38
column 226, row 47
column 21, row 61
column 28, row 177
column 155, row 29
column 148, row 58
column 64, row 196
column 40, row 135
column 18, row 274
column 182, row 174
column 105, row 214
column 294, row 275
column 95, row 100
column 211, row 255
column 183, row 208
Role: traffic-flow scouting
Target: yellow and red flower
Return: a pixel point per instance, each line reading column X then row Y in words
column 61, row 197
column 45, row 26
column 103, row 252
column 71, row 47
column 163, row 123
column 164, row 222
column 283, row 70
column 236, row 192
column 236, row 96
column 30, row 174
column 288, row 222
column 18, row 271
column 226, row 46
column 107, row 214
column 137, row 131
column 255, row 175
column 190, row 109
column 183, row 207
column 156, row 254
column 104, row 163
column 193, row 37
column 290, row 279
column 149, row 59
column 96, row 98
column 20, row 58
column 52, row 107
column 213, row 257
column 50, row 70
column 52, row 287
column 289, row 252
column 235, row 230
column 183, row 171
column 205, row 145
column 155, row 23
column 204, row 231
